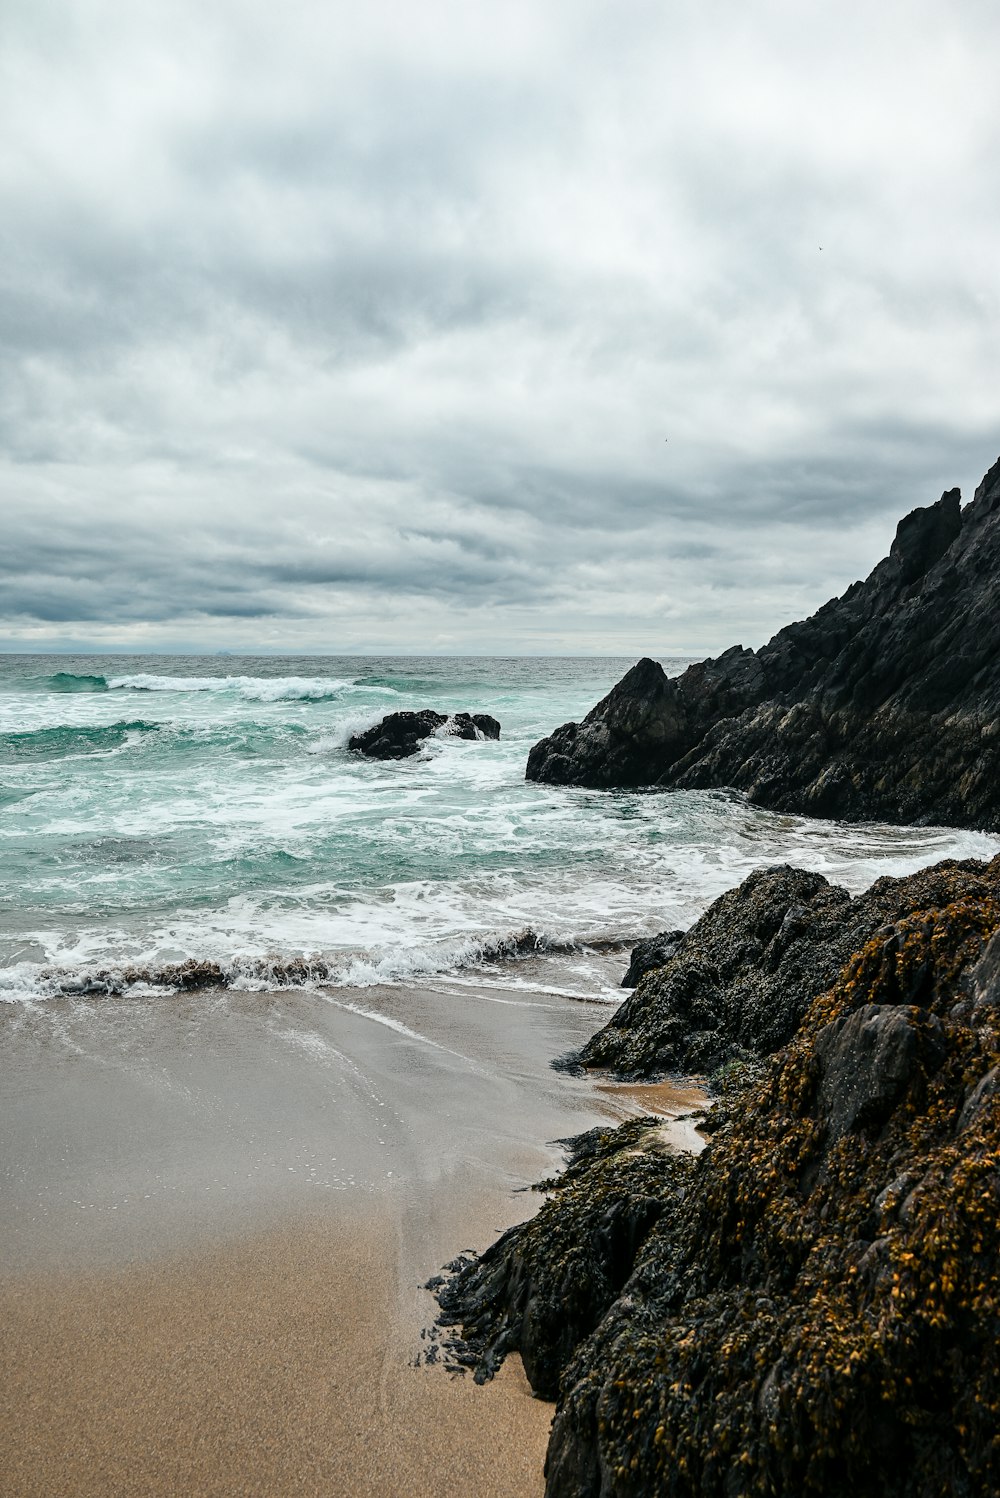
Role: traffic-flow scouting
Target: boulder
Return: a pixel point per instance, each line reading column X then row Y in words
column 811, row 1304
column 473, row 726
column 399, row 735
column 738, row 984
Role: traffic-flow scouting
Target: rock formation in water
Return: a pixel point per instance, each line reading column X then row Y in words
column 885, row 704
column 812, row 1305
column 400, row 734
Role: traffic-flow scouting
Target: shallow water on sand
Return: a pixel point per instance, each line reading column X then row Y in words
column 137, row 1125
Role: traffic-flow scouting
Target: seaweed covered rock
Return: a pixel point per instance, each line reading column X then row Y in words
column 399, row 735
column 815, row 1309
column 738, row 984
column 884, row 704
column 545, row 1285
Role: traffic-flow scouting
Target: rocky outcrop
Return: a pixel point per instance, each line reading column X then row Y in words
column 737, row 984
column 401, row 734
column 884, row 704
column 811, row 1305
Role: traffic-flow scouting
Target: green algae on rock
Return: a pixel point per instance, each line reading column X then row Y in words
column 814, row 1306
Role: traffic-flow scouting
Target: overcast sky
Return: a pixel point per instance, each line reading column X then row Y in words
column 622, row 328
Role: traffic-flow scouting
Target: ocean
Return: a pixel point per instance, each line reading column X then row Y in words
column 158, row 809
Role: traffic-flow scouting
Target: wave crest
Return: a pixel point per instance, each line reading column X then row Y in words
column 69, row 681
column 58, row 743
column 249, row 688
column 339, row 970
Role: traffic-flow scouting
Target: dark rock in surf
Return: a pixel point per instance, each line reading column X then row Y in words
column 884, row 704
column 649, row 954
column 475, row 726
column 401, row 734
column 812, row 1304
column 739, row 982
column 398, row 735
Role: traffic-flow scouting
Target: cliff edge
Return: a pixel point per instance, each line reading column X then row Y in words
column 885, row 704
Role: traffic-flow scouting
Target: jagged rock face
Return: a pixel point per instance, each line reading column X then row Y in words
column 738, row 983
column 884, row 704
column 400, row 734
column 813, row 1304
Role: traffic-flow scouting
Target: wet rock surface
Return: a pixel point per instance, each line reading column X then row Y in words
column 884, row 704
column 811, row 1305
column 652, row 953
column 399, row 735
column 545, row 1286
column 739, row 982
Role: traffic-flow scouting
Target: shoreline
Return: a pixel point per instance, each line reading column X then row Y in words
column 221, row 1211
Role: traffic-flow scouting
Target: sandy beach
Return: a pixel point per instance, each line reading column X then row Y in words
column 277, row 1365
column 220, row 1209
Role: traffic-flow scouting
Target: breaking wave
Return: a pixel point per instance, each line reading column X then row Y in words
column 68, row 681
column 260, row 974
column 249, row 688
column 57, row 743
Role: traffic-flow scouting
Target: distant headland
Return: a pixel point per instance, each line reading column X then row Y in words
column 884, row 705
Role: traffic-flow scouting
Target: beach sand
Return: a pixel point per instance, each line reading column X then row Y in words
column 275, row 1366
column 219, row 1210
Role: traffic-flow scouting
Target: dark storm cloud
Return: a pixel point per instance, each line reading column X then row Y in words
column 374, row 323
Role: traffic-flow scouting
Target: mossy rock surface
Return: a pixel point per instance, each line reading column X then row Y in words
column 740, row 981
column 813, row 1303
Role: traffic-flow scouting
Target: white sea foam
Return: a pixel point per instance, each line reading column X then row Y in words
column 150, row 974
column 249, row 688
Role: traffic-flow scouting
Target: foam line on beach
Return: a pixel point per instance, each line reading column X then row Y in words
column 26, row 980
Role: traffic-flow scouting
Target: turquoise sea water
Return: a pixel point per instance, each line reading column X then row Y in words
column 154, row 809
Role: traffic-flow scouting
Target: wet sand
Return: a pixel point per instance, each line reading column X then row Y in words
column 218, row 1213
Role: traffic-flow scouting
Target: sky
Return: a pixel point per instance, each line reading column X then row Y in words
column 521, row 328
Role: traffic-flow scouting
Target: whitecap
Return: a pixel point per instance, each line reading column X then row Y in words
column 248, row 688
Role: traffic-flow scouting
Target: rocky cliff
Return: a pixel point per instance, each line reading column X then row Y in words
column 812, row 1305
column 885, row 704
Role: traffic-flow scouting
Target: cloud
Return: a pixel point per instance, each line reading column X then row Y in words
column 568, row 327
